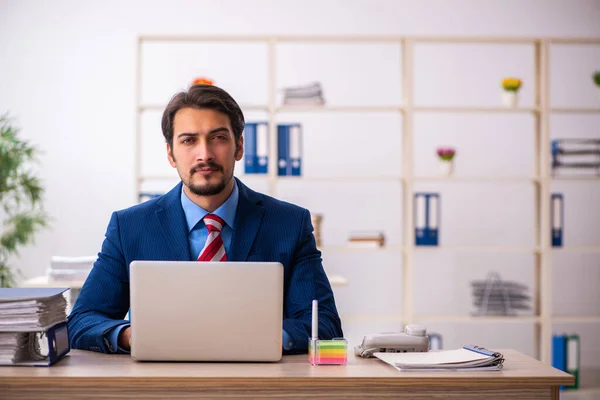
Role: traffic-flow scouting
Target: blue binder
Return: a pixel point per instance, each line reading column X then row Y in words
column 427, row 212
column 283, row 155
column 249, row 147
column 295, row 143
column 256, row 147
column 557, row 219
column 289, row 149
column 559, row 353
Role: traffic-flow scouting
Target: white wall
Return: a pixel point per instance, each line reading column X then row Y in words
column 67, row 73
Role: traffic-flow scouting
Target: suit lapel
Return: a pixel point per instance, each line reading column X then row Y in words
column 172, row 220
column 248, row 218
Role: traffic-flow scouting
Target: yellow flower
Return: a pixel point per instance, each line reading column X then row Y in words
column 511, row 84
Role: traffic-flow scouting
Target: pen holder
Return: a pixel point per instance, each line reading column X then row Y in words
column 328, row 352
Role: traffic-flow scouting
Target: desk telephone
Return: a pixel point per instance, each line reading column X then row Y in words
column 413, row 339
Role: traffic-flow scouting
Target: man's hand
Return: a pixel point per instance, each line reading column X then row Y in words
column 125, row 338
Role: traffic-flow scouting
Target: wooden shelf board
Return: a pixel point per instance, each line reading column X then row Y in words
column 576, row 110
column 474, row 109
column 350, row 248
column 482, row 319
column 575, row 179
column 577, row 249
column 325, row 108
column 161, row 107
column 576, row 319
column 481, row 249
column 511, row 179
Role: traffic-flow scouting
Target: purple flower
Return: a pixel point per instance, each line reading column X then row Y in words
column 446, row 153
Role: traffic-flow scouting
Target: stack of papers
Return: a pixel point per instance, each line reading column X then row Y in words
column 31, row 321
column 68, row 269
column 469, row 358
column 310, row 94
column 31, row 309
column 17, row 347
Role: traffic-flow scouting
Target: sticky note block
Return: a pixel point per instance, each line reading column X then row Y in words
column 332, row 352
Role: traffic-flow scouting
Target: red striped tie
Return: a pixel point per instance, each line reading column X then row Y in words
column 213, row 250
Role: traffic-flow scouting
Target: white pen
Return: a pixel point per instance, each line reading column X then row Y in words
column 315, row 319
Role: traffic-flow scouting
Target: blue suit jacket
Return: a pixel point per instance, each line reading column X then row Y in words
column 266, row 229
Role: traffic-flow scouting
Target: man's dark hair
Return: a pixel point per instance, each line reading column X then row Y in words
column 203, row 96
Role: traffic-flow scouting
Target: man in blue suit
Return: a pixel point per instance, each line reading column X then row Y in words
column 203, row 131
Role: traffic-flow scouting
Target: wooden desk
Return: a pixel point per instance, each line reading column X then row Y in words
column 95, row 375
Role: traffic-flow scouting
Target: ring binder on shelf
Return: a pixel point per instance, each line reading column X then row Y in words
column 427, row 210
column 256, row 147
column 557, row 217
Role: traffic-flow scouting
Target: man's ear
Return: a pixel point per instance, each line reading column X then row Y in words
column 239, row 149
column 170, row 156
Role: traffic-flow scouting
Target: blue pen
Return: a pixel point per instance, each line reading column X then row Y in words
column 481, row 350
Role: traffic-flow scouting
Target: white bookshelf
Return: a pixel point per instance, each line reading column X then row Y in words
column 540, row 179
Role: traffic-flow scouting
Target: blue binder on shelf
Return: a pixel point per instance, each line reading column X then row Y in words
column 572, row 358
column 289, row 149
column 557, row 219
column 559, row 353
column 256, row 147
column 427, row 212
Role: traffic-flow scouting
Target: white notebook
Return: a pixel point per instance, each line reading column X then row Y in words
column 469, row 358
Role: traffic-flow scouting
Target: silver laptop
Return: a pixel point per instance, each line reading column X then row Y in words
column 206, row 311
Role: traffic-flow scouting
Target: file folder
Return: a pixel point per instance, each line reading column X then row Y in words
column 283, row 155
column 256, row 147
column 559, row 353
column 427, row 211
column 433, row 211
column 262, row 148
column 572, row 359
column 420, row 204
column 295, row 142
column 557, row 219
column 289, row 149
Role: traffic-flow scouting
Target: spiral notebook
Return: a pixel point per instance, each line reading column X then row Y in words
column 469, row 358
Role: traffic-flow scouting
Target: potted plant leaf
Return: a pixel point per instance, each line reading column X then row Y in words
column 21, row 209
column 596, row 78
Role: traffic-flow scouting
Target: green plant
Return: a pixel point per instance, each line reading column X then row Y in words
column 596, row 78
column 21, row 211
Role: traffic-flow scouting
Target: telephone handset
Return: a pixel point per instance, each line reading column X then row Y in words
column 413, row 339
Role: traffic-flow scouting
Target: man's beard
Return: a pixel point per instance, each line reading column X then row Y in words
column 208, row 189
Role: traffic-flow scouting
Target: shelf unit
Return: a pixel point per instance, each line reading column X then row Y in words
column 541, row 180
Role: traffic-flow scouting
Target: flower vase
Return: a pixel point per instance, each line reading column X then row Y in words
column 510, row 98
column 446, row 167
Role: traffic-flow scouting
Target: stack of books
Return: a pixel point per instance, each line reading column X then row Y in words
column 33, row 326
column 69, row 269
column 311, row 94
column 494, row 296
column 576, row 157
